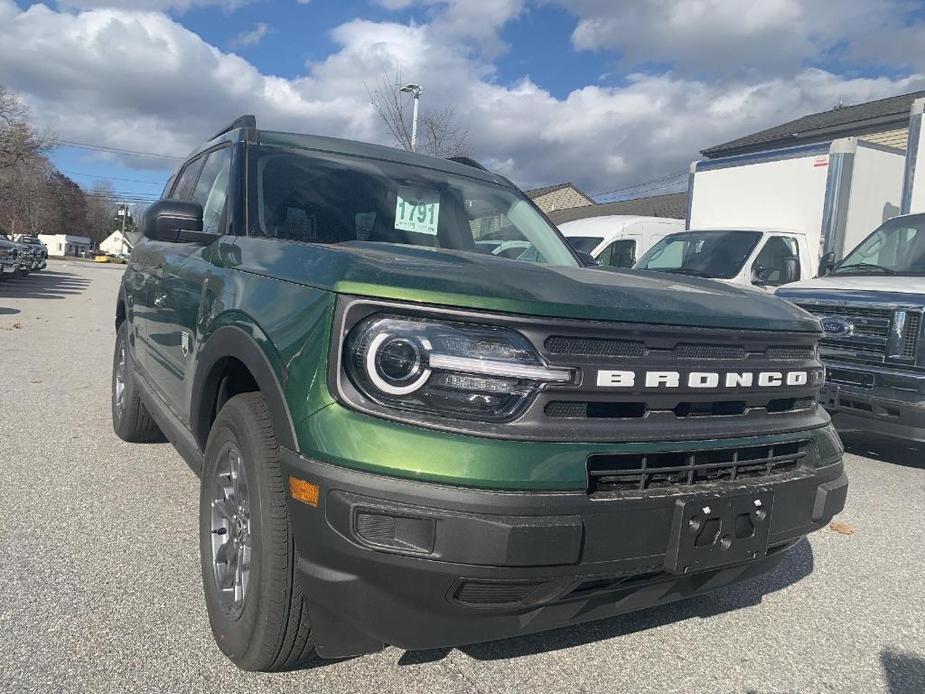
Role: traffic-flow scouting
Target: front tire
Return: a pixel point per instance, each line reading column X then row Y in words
column 130, row 419
column 253, row 593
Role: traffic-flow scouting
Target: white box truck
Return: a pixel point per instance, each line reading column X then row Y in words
column 828, row 196
column 914, row 181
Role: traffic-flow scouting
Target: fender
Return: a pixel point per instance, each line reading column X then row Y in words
column 232, row 341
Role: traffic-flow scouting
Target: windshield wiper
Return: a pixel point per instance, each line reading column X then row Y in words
column 864, row 266
column 687, row 271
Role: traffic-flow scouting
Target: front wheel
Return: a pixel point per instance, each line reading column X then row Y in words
column 253, row 593
column 130, row 418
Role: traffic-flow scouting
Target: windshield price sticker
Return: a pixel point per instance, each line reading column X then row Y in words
column 417, row 210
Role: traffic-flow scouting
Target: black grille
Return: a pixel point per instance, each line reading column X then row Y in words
column 494, row 593
column 848, row 312
column 850, row 378
column 594, row 347
column 709, row 352
column 785, row 352
column 872, row 340
column 559, row 409
column 615, row 474
column 870, row 334
column 911, row 332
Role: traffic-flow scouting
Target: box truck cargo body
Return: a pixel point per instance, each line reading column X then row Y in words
column 914, row 182
column 835, row 193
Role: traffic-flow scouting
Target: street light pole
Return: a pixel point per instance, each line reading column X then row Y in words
column 415, row 91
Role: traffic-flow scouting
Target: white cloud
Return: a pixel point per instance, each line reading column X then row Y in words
column 140, row 80
column 730, row 37
column 250, row 37
column 465, row 20
column 154, row 5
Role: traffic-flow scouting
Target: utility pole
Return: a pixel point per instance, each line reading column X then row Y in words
column 415, row 91
column 124, row 212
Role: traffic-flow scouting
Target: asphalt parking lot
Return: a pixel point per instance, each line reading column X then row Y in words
column 99, row 567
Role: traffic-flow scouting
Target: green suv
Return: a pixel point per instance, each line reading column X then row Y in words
column 405, row 438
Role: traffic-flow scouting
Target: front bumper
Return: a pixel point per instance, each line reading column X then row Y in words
column 420, row 565
column 876, row 400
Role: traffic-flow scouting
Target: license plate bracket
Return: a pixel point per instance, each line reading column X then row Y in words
column 708, row 532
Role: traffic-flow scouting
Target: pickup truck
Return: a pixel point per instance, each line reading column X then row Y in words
column 871, row 307
column 9, row 258
column 28, row 258
column 404, row 438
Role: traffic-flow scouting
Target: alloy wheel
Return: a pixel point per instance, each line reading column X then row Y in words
column 231, row 530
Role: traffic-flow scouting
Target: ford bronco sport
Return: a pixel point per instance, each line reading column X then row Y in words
column 405, row 439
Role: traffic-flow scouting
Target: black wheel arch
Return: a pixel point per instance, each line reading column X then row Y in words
column 233, row 343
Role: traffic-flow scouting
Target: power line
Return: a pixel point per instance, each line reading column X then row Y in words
column 116, row 150
column 666, row 177
column 112, row 178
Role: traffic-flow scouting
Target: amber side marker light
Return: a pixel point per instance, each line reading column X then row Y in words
column 303, row 491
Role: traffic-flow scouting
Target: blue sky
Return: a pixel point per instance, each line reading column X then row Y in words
column 605, row 94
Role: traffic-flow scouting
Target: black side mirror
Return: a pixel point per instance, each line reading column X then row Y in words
column 587, row 259
column 177, row 221
column 827, row 263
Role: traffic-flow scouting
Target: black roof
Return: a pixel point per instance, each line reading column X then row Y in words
column 546, row 190
column 671, row 205
column 244, row 128
column 873, row 116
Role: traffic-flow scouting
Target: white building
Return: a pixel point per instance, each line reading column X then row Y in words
column 116, row 244
column 65, row 244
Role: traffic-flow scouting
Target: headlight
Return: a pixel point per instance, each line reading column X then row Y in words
column 444, row 368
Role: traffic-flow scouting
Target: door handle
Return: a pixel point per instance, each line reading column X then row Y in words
column 161, row 300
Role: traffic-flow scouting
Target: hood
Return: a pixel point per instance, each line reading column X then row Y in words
column 861, row 288
column 467, row 280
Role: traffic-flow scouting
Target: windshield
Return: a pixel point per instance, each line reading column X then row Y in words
column 585, row 244
column 325, row 198
column 897, row 247
column 718, row 254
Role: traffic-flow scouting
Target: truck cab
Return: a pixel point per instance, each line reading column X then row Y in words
column 751, row 257
column 871, row 307
column 618, row 240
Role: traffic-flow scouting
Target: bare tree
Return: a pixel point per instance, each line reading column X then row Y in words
column 101, row 210
column 439, row 134
column 19, row 141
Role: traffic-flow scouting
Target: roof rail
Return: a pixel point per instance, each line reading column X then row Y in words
column 467, row 161
column 239, row 122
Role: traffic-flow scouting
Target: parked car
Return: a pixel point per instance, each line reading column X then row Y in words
column 872, row 308
column 9, row 258
column 618, row 240
column 28, row 259
column 35, row 243
column 403, row 439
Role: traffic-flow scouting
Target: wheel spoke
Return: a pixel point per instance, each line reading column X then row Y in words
column 229, row 578
column 225, row 509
